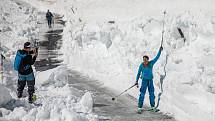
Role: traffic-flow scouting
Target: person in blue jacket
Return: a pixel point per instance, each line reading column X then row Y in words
column 24, row 59
column 145, row 70
column 49, row 17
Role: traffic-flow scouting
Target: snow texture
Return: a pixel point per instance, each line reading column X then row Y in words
column 56, row 100
column 4, row 95
column 106, row 41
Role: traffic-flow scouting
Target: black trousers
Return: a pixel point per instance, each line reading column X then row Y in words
column 30, row 84
column 49, row 23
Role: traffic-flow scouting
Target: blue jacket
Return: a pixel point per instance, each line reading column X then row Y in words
column 23, row 62
column 146, row 72
column 49, row 16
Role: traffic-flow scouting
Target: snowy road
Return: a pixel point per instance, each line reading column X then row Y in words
column 49, row 43
column 122, row 109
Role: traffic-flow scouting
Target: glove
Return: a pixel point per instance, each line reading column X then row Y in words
column 137, row 84
column 161, row 48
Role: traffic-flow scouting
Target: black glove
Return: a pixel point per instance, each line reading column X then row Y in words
column 161, row 48
column 136, row 83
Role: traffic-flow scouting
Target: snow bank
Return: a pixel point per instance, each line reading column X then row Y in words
column 42, row 78
column 86, row 103
column 4, row 95
column 55, row 77
column 189, row 84
column 110, row 50
column 62, row 102
column 57, row 101
column 17, row 24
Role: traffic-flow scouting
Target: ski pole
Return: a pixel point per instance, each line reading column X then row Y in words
column 164, row 13
column 2, row 67
column 123, row 92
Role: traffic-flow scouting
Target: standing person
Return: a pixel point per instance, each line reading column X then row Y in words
column 49, row 17
column 23, row 61
column 146, row 72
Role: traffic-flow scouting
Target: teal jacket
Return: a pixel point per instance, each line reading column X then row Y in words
column 146, row 72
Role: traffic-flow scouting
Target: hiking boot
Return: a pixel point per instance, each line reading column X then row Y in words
column 139, row 110
column 19, row 94
column 151, row 108
column 30, row 99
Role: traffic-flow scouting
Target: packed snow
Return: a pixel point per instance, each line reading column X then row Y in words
column 17, row 24
column 4, row 95
column 106, row 41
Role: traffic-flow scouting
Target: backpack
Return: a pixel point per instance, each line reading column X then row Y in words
column 18, row 63
column 48, row 15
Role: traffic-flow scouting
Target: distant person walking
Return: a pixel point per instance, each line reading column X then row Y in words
column 23, row 61
column 49, row 17
column 146, row 72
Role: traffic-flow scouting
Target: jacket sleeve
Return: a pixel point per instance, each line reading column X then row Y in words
column 139, row 72
column 156, row 58
column 46, row 15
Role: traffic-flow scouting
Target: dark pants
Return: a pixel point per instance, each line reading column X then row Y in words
column 22, row 82
column 49, row 22
column 21, row 86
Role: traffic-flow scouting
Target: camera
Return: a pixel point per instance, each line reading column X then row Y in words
column 34, row 51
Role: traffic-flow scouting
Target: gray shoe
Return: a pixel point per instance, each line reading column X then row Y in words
column 19, row 94
column 139, row 110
